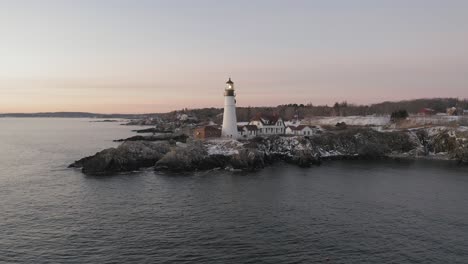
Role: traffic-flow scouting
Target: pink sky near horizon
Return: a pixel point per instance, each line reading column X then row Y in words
column 157, row 56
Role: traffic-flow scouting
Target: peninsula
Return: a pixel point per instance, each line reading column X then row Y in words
column 185, row 142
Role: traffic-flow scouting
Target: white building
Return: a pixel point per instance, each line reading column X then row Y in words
column 247, row 131
column 229, row 129
column 301, row 130
column 185, row 117
column 268, row 125
column 295, row 121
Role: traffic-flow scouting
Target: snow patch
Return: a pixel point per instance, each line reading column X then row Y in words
column 226, row 147
column 351, row 120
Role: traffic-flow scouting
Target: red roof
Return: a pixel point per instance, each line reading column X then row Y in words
column 299, row 127
column 427, row 111
column 249, row 127
column 266, row 119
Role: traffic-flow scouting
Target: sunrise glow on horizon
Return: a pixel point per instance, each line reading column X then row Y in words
column 157, row 56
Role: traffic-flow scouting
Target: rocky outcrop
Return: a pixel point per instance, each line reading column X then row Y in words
column 129, row 156
column 447, row 142
column 248, row 159
column 153, row 130
column 254, row 154
column 357, row 143
column 303, row 151
column 183, row 158
column 160, row 137
column 198, row 157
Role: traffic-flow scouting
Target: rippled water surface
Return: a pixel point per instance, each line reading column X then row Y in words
column 341, row 212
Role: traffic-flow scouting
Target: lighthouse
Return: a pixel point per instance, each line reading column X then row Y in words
column 229, row 116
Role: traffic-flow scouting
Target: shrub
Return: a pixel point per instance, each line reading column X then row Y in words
column 398, row 115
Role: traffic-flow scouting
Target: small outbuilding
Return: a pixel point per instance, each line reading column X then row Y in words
column 301, row 130
column 452, row 111
column 426, row 112
column 205, row 132
column 247, row 131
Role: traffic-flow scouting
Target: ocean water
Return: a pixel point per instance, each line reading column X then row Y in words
column 340, row 212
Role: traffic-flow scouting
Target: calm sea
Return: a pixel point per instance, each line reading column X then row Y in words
column 340, row 212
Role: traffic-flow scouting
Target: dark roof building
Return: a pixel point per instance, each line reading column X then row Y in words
column 427, row 111
column 266, row 119
column 207, row 132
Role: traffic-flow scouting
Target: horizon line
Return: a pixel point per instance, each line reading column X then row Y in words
column 264, row 106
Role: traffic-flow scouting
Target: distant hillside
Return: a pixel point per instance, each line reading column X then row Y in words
column 288, row 111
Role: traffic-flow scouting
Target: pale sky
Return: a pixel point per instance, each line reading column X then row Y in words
column 154, row 56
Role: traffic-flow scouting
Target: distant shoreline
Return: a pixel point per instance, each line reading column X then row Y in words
column 72, row 115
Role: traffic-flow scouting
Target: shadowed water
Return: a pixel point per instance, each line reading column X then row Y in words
column 346, row 212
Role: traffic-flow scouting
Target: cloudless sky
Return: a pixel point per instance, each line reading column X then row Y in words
column 116, row 56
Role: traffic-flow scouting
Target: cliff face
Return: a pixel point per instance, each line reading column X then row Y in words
column 355, row 142
column 201, row 156
column 449, row 142
column 254, row 154
column 306, row 151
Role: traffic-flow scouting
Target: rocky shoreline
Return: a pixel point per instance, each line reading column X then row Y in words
column 171, row 153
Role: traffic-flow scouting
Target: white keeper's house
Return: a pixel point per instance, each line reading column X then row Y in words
column 268, row 124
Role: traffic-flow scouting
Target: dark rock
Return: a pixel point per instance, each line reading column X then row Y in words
column 364, row 142
column 164, row 137
column 127, row 157
column 153, row 130
column 254, row 154
column 305, row 158
column 213, row 161
column 106, row 121
column 444, row 142
column 80, row 163
column 372, row 150
column 462, row 155
column 248, row 159
column 341, row 125
column 195, row 157
column 182, row 159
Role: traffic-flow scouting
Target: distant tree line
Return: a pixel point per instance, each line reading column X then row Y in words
column 398, row 115
column 289, row 111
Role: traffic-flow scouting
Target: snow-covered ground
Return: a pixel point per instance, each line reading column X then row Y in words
column 379, row 121
column 225, row 147
column 350, row 120
column 439, row 120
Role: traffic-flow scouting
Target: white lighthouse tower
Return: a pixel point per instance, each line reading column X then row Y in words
column 229, row 116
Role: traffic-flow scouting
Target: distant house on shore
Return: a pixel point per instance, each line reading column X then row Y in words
column 452, row 111
column 301, row 130
column 268, row 124
column 247, row 131
column 426, row 112
column 205, row 132
column 186, row 117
